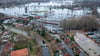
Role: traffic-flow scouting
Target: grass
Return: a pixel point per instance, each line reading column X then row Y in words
column 35, row 49
column 20, row 45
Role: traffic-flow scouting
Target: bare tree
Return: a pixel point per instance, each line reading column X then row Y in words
column 84, row 22
column 88, row 22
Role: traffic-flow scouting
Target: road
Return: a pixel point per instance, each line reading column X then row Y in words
column 87, row 44
column 45, row 49
column 67, row 48
column 16, row 30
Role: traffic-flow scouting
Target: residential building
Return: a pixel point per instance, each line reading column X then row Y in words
column 21, row 52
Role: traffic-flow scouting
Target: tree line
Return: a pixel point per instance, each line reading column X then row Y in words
column 88, row 23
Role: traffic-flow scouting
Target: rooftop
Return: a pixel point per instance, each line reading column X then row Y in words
column 7, row 46
column 21, row 52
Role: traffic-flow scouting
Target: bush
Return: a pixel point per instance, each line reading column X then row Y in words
column 72, row 38
column 58, row 40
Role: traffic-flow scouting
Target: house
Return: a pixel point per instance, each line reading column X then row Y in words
column 19, row 25
column 7, row 47
column 6, row 35
column 21, row 52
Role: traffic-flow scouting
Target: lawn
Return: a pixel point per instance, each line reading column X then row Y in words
column 20, row 45
column 32, row 46
column 35, row 50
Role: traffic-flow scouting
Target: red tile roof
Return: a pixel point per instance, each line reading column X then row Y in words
column 67, row 40
column 66, row 54
column 60, row 48
column 21, row 52
column 74, row 46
